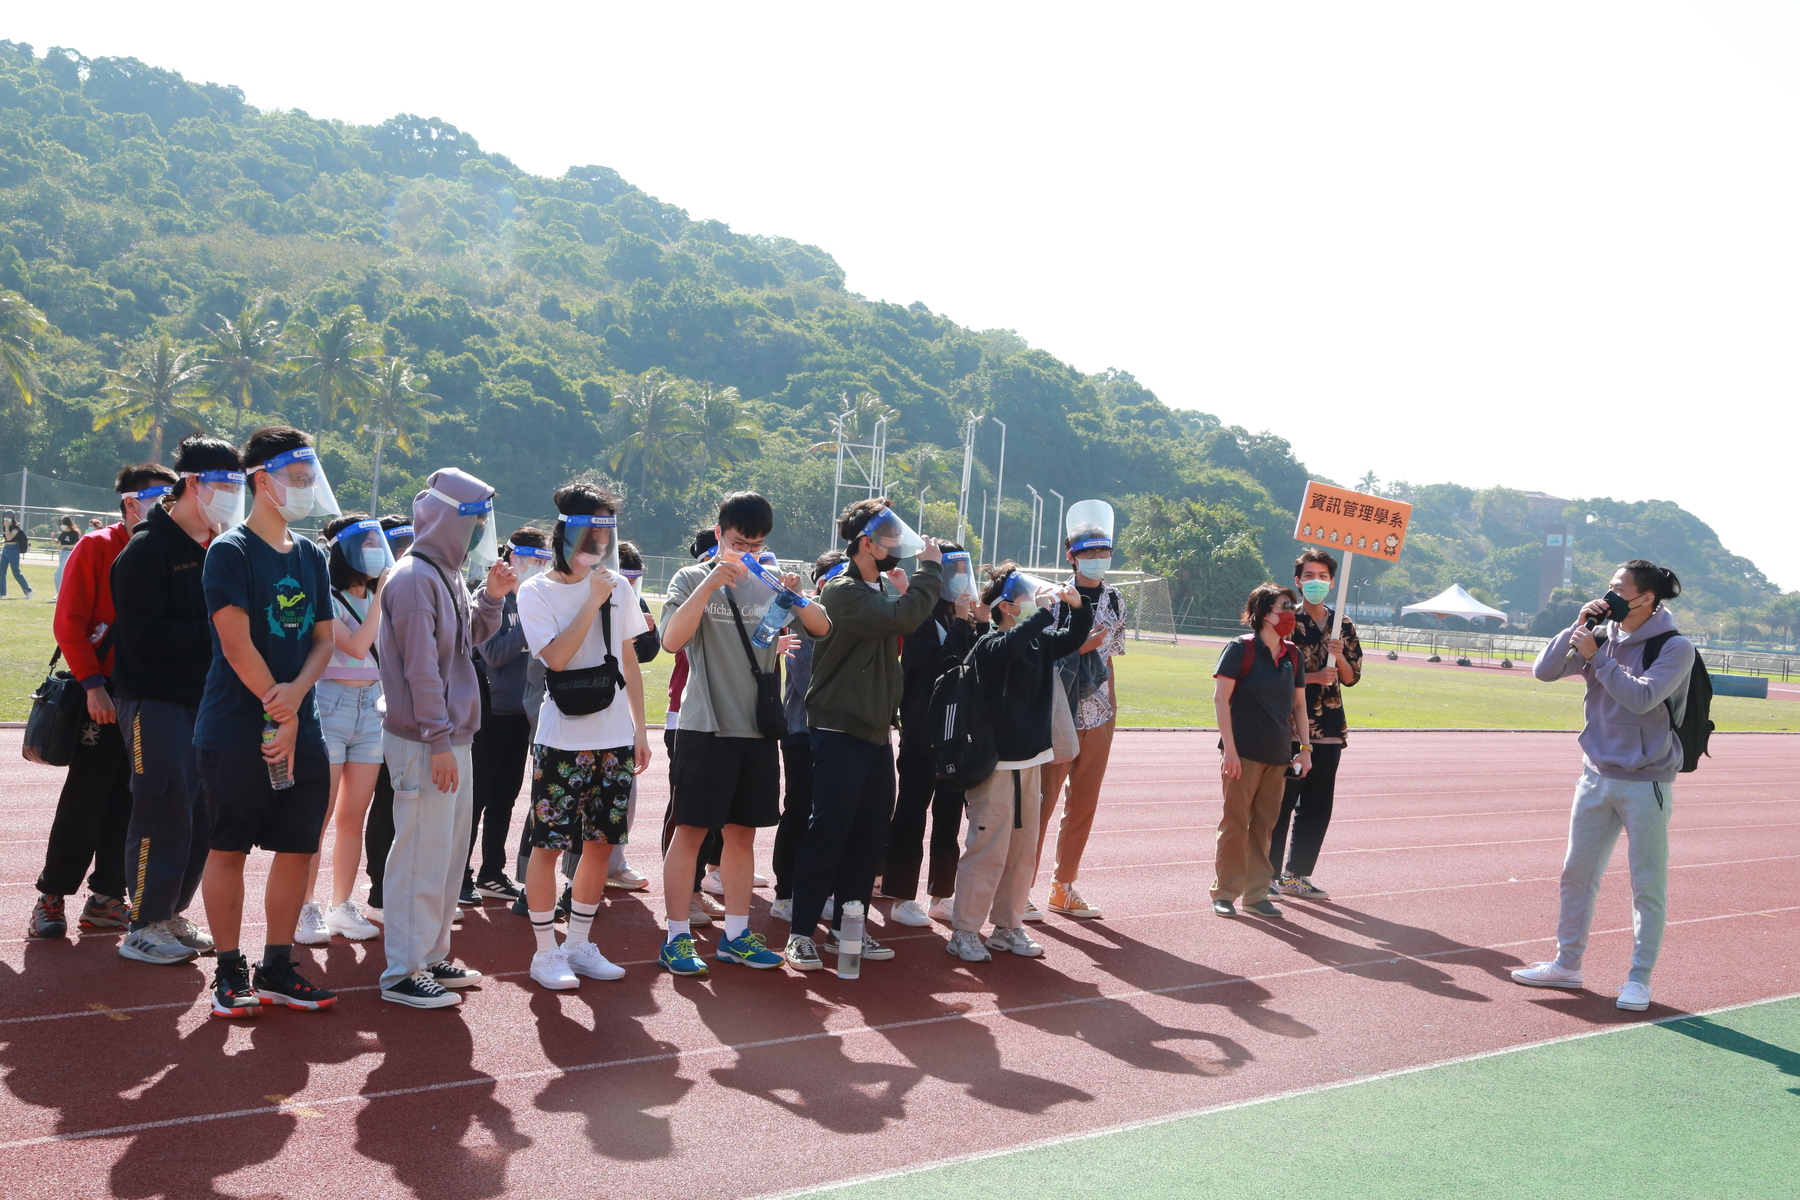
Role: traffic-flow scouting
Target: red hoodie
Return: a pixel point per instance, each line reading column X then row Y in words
column 84, row 603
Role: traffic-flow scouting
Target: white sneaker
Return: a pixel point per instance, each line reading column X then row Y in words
column 371, row 913
column 967, row 946
column 758, row 879
column 782, row 910
column 311, row 930
column 190, row 934
column 943, row 909
column 702, row 910
column 830, row 905
column 1547, row 974
column 1634, row 997
column 711, row 884
column 584, row 958
column 909, row 912
column 1015, row 940
column 1032, row 912
column 551, row 968
column 627, row 880
column 347, row 921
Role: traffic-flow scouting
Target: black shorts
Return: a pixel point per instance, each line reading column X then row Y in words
column 246, row 812
column 579, row 796
column 716, row 781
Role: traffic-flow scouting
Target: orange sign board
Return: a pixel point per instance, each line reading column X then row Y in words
column 1340, row 519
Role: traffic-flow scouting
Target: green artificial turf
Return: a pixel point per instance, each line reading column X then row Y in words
column 1690, row 1108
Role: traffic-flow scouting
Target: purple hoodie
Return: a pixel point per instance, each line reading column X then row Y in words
column 427, row 676
column 1629, row 732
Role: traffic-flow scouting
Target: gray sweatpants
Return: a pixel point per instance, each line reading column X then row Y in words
column 425, row 865
column 1602, row 808
column 999, row 858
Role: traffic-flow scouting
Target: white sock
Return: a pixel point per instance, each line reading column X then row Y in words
column 736, row 927
column 543, row 924
column 581, row 919
column 677, row 928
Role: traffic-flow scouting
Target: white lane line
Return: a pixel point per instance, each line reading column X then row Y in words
column 1153, row 1122
column 852, row 1031
column 1446, row 845
column 1344, row 797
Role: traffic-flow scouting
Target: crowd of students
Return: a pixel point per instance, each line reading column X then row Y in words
column 399, row 676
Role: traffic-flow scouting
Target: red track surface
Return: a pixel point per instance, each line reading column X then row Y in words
column 1443, row 860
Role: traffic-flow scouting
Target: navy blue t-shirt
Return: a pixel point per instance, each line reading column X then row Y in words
column 285, row 595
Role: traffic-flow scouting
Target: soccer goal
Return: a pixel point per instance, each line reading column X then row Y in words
column 1148, row 613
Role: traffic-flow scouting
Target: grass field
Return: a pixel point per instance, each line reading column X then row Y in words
column 1158, row 685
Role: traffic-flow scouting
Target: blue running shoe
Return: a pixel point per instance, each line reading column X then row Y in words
column 751, row 950
column 678, row 955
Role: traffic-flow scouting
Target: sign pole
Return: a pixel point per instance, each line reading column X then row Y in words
column 1337, row 614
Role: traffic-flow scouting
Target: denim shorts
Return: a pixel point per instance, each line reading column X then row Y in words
column 350, row 720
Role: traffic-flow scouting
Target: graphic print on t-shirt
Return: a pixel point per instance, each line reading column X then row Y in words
column 289, row 614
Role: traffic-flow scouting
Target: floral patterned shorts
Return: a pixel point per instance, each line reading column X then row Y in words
column 579, row 796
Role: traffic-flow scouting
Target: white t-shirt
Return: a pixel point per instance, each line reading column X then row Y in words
column 546, row 608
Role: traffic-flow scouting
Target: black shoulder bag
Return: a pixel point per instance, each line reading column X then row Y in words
column 771, row 715
column 586, row 690
column 58, row 708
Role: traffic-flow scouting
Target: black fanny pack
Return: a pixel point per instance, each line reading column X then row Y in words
column 587, row 690
column 771, row 714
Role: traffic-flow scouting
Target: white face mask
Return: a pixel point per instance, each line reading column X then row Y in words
column 299, row 503
column 589, row 561
column 1093, row 568
column 221, row 509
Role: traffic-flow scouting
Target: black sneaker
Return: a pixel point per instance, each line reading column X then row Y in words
column 470, row 898
column 448, row 974
column 1266, row 908
column 282, row 984
column 562, row 903
column 232, row 995
column 499, row 887
column 1223, row 908
column 48, row 918
column 872, row 950
column 420, row 990
column 521, row 908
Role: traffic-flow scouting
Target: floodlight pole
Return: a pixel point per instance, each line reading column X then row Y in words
column 1061, row 533
column 1037, row 523
column 999, row 491
column 962, row 495
column 921, row 526
column 984, row 536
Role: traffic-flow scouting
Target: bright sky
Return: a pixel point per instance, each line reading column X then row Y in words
column 1547, row 245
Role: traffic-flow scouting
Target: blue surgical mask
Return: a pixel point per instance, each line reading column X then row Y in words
column 1093, row 568
column 1315, row 590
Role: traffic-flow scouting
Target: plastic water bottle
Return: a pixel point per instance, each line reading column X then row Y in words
column 774, row 621
column 280, row 778
column 850, row 941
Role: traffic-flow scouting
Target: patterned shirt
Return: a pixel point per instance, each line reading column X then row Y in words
column 1325, row 702
column 1109, row 624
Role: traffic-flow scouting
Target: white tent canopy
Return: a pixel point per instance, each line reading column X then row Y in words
column 1453, row 601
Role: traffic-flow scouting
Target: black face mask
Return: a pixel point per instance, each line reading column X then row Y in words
column 1617, row 606
column 884, row 565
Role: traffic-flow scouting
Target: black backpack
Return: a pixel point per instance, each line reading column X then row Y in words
column 1695, row 728
column 963, row 753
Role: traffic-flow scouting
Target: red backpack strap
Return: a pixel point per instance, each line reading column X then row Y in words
column 1247, row 659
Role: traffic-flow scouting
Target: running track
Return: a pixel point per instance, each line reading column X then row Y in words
column 1442, row 861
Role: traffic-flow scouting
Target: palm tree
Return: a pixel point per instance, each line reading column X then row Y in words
column 1783, row 613
column 1740, row 624
column 723, row 432
column 248, row 349
column 662, row 428
column 157, row 393
column 19, row 324
column 331, row 358
column 394, row 405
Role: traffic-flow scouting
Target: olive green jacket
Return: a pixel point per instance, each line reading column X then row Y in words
column 856, row 678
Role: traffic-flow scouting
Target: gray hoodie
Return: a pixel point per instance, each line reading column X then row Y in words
column 427, row 676
column 1629, row 732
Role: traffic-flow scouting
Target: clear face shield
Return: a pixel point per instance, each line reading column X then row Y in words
column 143, row 501
column 892, row 537
column 399, row 540
column 959, row 578
column 298, row 485
column 1089, row 527
column 1028, row 592
column 221, row 497
column 364, row 548
column 528, row 561
column 482, row 549
column 592, row 541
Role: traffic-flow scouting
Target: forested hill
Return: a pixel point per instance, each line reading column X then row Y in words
column 201, row 262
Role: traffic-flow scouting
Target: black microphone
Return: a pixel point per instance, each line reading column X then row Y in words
column 1617, row 609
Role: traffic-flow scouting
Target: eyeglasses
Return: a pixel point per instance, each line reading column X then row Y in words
column 1284, row 606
